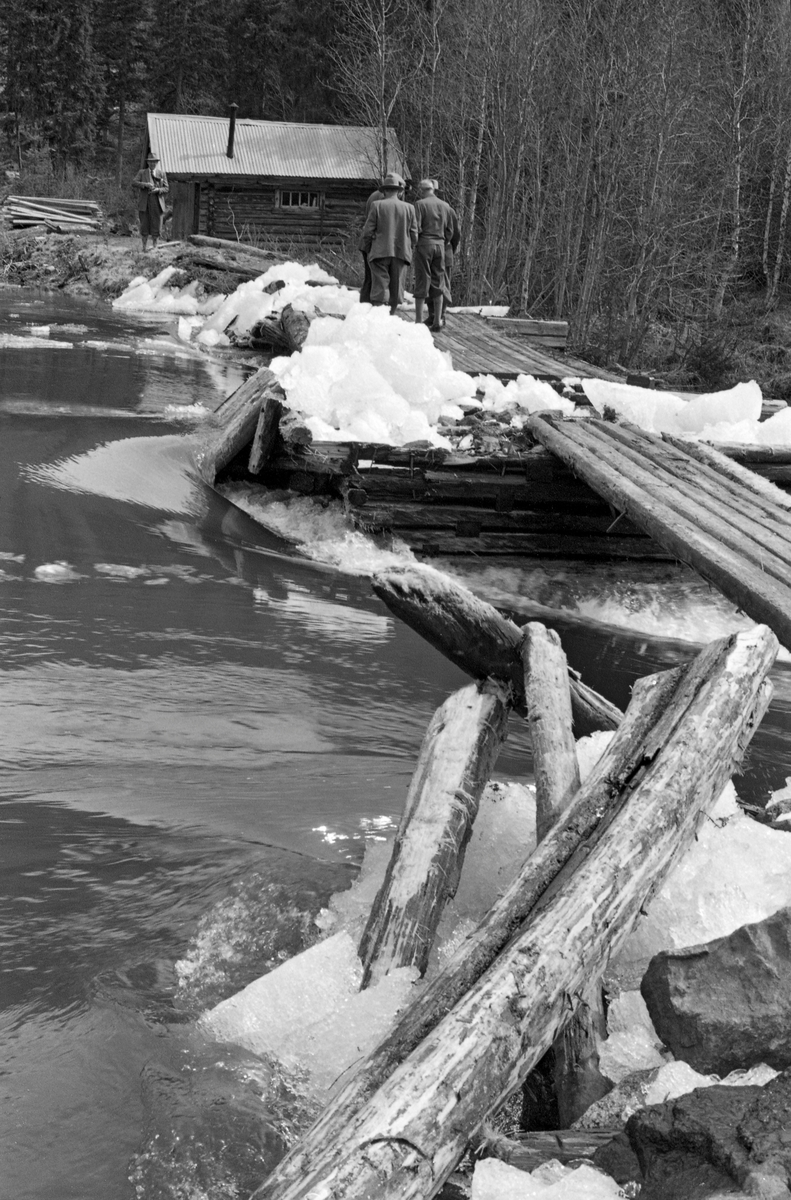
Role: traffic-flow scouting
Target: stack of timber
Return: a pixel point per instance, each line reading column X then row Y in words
column 553, row 334
column 61, row 216
column 400, row 1126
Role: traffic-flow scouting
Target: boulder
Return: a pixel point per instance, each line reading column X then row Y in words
column 744, row 1132
column 726, row 1005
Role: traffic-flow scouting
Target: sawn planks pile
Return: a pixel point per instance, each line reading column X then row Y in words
column 733, row 527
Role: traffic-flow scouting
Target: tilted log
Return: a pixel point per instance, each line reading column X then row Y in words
column 454, row 765
column 475, row 636
column 594, row 803
column 578, row 1081
column 735, row 471
column 548, row 701
column 265, row 435
column 408, row 1138
column 234, row 424
column 295, row 327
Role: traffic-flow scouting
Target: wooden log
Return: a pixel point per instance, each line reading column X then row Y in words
column 265, row 433
column 735, row 512
column 475, row 519
column 293, row 429
column 594, row 804
column 223, row 264
column 456, row 759
column 548, row 701
column 578, row 1081
column 473, row 634
column 415, row 1128
column 527, row 1151
column 591, row 547
column 760, row 595
column 725, row 465
column 199, row 239
column 236, row 420
column 295, row 327
column 778, row 455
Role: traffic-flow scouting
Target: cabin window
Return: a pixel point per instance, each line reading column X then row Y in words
column 295, row 199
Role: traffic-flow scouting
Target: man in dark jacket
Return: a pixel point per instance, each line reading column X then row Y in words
column 435, row 230
column 152, row 186
column 365, row 290
column 389, row 238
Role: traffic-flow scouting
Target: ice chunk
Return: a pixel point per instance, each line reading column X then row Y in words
column 56, row 572
column 590, row 749
column 309, row 1012
column 778, row 806
column 495, row 1180
column 633, row 1043
column 736, row 872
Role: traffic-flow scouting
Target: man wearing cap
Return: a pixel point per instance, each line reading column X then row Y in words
column 450, row 252
column 152, row 187
column 365, row 290
column 435, row 229
column 389, row 238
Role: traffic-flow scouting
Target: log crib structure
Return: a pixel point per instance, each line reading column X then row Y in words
column 529, row 977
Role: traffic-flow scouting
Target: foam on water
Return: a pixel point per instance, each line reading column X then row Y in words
column 320, row 531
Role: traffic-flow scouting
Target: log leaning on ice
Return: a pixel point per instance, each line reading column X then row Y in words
column 475, row 636
column 456, row 758
column 578, row 1081
column 404, row 1139
column 237, row 418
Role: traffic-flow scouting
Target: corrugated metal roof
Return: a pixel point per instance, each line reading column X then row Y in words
column 189, row 145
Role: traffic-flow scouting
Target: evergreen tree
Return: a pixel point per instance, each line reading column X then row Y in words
column 123, row 32
column 188, row 71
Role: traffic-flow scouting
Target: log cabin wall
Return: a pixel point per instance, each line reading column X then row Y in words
column 239, row 208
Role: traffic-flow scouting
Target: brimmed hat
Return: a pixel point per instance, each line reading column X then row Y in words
column 392, row 181
column 151, row 154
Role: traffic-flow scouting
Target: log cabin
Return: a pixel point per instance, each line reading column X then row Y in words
column 302, row 185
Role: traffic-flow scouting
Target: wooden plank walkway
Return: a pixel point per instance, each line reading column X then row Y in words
column 478, row 348
column 729, row 525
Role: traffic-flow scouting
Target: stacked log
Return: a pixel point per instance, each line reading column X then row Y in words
column 61, row 216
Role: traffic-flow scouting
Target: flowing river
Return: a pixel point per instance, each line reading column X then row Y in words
column 200, row 728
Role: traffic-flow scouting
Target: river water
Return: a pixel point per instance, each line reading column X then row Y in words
column 200, row 728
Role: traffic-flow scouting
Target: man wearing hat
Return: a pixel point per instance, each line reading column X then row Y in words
column 435, row 230
column 389, row 238
column 152, row 186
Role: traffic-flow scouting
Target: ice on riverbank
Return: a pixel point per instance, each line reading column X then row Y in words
column 496, row 1180
column 310, row 1014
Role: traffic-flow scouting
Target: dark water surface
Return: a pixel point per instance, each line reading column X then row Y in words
column 198, row 731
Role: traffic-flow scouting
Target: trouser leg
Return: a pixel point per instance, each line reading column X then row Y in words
column 365, row 290
column 380, row 280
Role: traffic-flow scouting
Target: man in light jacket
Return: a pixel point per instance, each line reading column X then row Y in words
column 389, row 238
column 436, row 230
column 152, row 186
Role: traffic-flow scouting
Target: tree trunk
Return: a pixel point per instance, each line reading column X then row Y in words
column 235, row 421
column 265, row 434
column 408, row 1138
column 548, row 701
column 456, row 759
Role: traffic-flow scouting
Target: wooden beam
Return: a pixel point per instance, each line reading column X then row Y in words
column 406, row 1141
column 475, row 636
column 265, row 435
column 456, row 759
column 233, row 424
column 548, row 701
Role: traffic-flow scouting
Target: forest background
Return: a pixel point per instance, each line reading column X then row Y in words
column 621, row 164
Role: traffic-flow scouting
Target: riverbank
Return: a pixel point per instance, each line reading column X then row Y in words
column 748, row 343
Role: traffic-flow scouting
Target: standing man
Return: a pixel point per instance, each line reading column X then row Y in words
column 152, row 186
column 389, row 239
column 435, row 229
column 365, row 290
column 450, row 253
